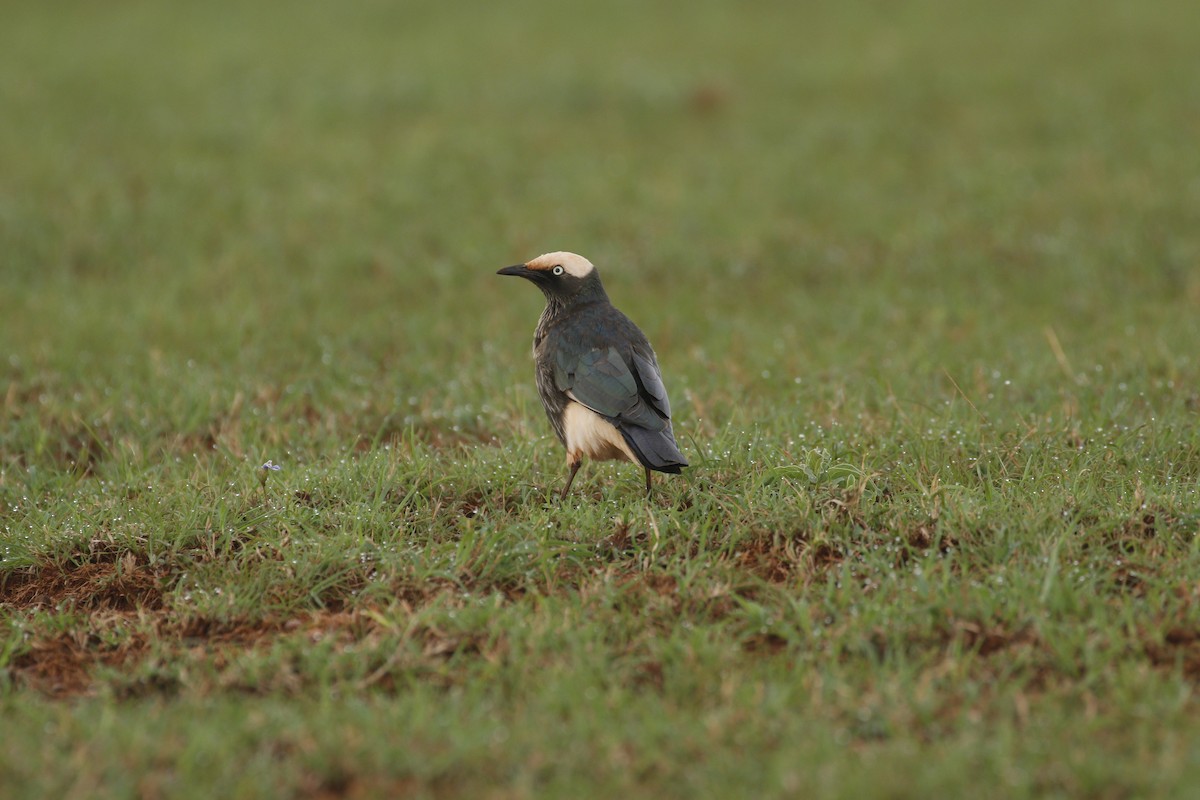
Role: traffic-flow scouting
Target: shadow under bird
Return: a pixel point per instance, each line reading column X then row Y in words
column 596, row 373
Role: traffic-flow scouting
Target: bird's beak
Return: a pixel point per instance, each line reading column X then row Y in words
column 520, row 270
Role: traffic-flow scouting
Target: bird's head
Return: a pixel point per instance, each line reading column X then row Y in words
column 562, row 277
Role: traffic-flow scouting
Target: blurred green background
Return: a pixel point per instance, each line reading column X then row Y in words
column 948, row 249
column 225, row 182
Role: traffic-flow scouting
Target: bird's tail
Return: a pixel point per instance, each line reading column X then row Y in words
column 655, row 449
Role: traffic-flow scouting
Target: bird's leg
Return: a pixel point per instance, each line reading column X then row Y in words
column 574, row 464
column 647, row 482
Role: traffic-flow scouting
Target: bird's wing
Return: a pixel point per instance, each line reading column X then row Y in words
column 651, row 383
column 601, row 380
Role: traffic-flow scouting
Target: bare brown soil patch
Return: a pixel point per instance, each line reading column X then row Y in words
column 476, row 502
column 128, row 618
column 62, row 665
column 124, row 584
column 785, row 560
column 1180, row 648
column 347, row 786
column 990, row 637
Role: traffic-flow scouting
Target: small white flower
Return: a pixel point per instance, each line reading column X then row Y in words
column 265, row 471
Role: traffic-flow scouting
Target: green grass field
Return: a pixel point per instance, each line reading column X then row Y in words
column 924, row 279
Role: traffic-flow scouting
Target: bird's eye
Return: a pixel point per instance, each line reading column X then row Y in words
column 558, row 270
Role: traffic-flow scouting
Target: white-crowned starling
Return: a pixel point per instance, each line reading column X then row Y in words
column 597, row 375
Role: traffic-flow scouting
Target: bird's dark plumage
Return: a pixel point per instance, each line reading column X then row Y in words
column 597, row 374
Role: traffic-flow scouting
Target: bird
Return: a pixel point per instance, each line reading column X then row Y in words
column 597, row 375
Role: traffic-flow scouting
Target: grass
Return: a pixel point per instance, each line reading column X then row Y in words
column 925, row 283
